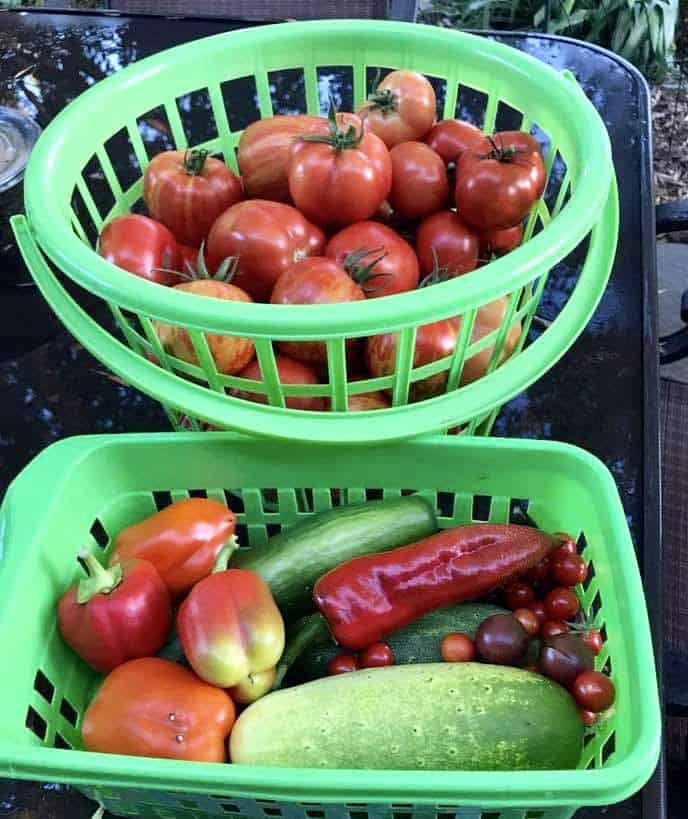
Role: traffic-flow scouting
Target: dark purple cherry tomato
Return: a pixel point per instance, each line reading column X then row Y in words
column 564, row 657
column 501, row 639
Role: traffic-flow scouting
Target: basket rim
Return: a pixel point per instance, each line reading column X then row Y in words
column 515, row 788
column 51, row 225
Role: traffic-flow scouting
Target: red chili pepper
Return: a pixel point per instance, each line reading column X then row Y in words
column 116, row 614
column 369, row 597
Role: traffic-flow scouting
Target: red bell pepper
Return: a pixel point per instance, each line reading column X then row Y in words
column 116, row 614
column 368, row 597
column 182, row 541
column 230, row 627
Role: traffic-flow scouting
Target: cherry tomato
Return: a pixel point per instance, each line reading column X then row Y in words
column 539, row 572
column 368, row 401
column 528, row 619
column 594, row 691
column 376, row 257
column 401, row 108
column 342, row 664
column 419, row 180
column 568, row 546
column 518, row 594
column 451, row 138
column 290, row 371
column 569, row 570
column 501, row 639
column 531, row 667
column 188, row 190
column 141, row 246
column 343, row 177
column 317, row 280
column 593, row 640
column 230, row 353
column 444, row 239
column 265, row 151
column 267, row 237
column 376, row 656
column 496, row 190
column 588, row 717
column 561, row 604
column 457, row 648
column 539, row 611
column 563, row 657
column 500, row 242
column 550, row 628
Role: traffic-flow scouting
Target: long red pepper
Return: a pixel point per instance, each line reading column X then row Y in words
column 368, row 597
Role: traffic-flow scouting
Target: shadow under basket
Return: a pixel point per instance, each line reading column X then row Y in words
column 87, row 168
column 92, row 487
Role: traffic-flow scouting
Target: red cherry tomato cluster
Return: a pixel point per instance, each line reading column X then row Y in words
column 376, row 655
column 332, row 210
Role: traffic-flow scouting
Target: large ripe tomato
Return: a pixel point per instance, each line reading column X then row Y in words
column 500, row 242
column 376, row 257
column 339, row 176
column 451, row 138
column 496, row 190
column 401, row 108
column 187, row 191
column 488, row 318
column 317, row 280
column 419, row 180
column 230, row 353
column 267, row 237
column 141, row 246
column 264, row 154
column 290, row 371
column 446, row 242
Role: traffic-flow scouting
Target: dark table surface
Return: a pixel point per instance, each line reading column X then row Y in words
column 601, row 396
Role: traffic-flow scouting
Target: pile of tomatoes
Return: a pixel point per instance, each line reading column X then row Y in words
column 332, row 210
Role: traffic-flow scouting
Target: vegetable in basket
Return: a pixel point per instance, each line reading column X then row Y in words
column 141, row 246
column 419, row 180
column 401, row 108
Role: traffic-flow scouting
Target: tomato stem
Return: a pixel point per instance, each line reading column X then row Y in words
column 99, row 580
column 438, row 274
column 384, row 100
column 194, row 161
column 338, row 138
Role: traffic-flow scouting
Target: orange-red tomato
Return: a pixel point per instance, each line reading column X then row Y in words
column 317, row 280
column 594, row 691
column 457, row 648
column 342, row 664
column 188, row 190
column 376, row 257
column 267, row 237
column 446, row 240
column 500, row 242
column 141, row 246
column 368, row 401
column 419, row 180
column 290, row 371
column 401, row 108
column 451, row 138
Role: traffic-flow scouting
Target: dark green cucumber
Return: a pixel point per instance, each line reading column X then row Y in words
column 292, row 561
column 418, row 642
column 437, row 716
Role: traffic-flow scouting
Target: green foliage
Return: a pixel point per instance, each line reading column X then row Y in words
column 642, row 31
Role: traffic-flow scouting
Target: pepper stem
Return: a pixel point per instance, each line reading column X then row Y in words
column 99, row 581
column 224, row 555
column 194, row 161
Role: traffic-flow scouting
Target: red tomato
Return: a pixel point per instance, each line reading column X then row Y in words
column 593, row 640
column 528, row 619
column 267, row 237
column 500, row 242
column 518, row 594
column 539, row 572
column 368, row 401
column 290, row 372
column 539, row 611
column 342, row 664
column 188, row 190
column 401, row 108
column 376, row 656
column 594, row 691
column 588, row 717
column 342, row 178
column 553, row 627
column 419, row 180
column 561, row 604
column 497, row 190
column 444, row 239
column 376, row 257
column 457, row 648
column 230, row 353
column 569, row 570
column 451, row 138
column 317, row 280
column 189, row 262
column 141, row 246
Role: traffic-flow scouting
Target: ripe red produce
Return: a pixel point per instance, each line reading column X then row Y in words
column 569, row 570
column 568, row 546
column 141, row 246
column 290, row 371
column 501, row 639
column 457, row 648
column 563, row 657
column 518, row 594
column 593, row 640
column 376, row 655
column 451, row 138
column 419, row 180
column 266, row 238
column 540, row 572
column 444, row 240
column 561, row 604
column 500, row 242
column 588, row 717
column 550, row 628
column 594, row 691
column 539, row 611
column 401, row 108
column 342, row 664
column 528, row 619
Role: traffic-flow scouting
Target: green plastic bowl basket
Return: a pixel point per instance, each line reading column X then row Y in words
column 90, row 488
column 74, row 158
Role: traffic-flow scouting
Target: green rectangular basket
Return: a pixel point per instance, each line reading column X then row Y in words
column 84, row 490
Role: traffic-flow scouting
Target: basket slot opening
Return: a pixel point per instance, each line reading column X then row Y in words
column 490, row 815
column 36, row 724
column 608, row 748
column 162, row 499
column 196, row 113
column 439, row 85
column 234, row 500
column 444, row 503
column 535, row 814
column 288, row 91
column 542, row 137
column 518, row 511
column 241, row 532
column 123, row 158
column 561, row 282
column 507, row 118
column 69, row 712
column 269, row 500
column 198, row 493
column 155, row 131
column 373, row 494
column 99, row 534
column 96, row 182
column 557, row 176
column 61, row 742
column 273, row 529
column 272, row 811
column 335, row 81
column 44, row 687
column 482, row 505
column 595, row 606
column 88, row 230
column 471, row 105
column 227, row 807
column 374, row 76
column 314, row 813
column 188, row 804
column 240, row 97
